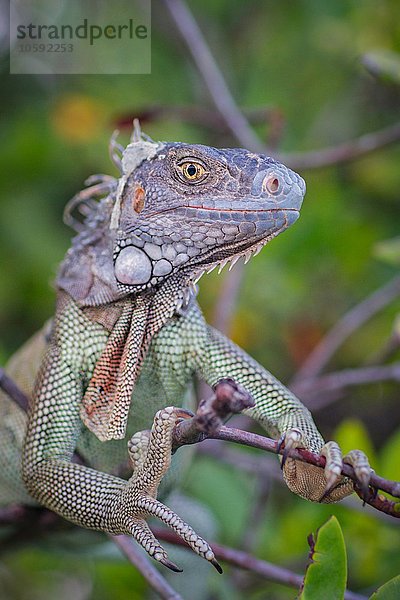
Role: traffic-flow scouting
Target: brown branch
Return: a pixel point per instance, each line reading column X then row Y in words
column 137, row 558
column 269, row 469
column 314, row 389
column 203, row 425
column 211, row 74
column 254, row 440
column 347, row 325
column 12, row 390
column 345, row 152
column 239, row 125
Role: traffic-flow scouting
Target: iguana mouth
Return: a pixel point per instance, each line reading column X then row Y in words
column 190, row 209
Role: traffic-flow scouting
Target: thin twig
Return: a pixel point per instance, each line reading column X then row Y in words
column 212, row 76
column 347, row 325
column 199, row 115
column 239, row 125
column 264, row 468
column 247, row 561
column 254, row 440
column 345, row 152
column 11, row 389
column 233, row 398
column 153, row 577
column 314, row 388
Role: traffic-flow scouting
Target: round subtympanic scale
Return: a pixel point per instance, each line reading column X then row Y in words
column 132, row 266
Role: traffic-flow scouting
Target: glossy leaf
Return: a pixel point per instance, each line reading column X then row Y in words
column 326, row 575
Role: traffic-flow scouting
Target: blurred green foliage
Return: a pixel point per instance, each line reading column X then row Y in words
column 304, row 60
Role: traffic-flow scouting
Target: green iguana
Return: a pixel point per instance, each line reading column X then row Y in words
column 128, row 337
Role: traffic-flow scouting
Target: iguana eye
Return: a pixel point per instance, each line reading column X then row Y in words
column 192, row 171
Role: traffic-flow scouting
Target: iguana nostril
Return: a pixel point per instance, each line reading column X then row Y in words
column 272, row 184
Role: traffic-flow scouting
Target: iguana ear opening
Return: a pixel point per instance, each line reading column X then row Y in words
column 138, row 200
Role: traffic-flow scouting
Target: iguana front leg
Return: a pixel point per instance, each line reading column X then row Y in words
column 90, row 498
column 150, row 453
column 284, row 417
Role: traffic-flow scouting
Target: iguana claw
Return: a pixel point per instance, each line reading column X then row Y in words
column 170, row 565
column 216, row 564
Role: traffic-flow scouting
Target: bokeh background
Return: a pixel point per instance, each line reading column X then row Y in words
column 308, row 74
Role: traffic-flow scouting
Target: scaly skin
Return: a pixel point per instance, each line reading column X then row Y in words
column 128, row 337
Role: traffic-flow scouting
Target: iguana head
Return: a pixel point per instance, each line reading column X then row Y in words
column 189, row 208
column 177, row 211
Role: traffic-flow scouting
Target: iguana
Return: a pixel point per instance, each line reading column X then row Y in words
column 128, row 337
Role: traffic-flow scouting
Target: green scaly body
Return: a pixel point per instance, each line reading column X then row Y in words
column 128, row 338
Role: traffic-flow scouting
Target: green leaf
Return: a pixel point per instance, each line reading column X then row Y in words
column 326, row 575
column 388, row 591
